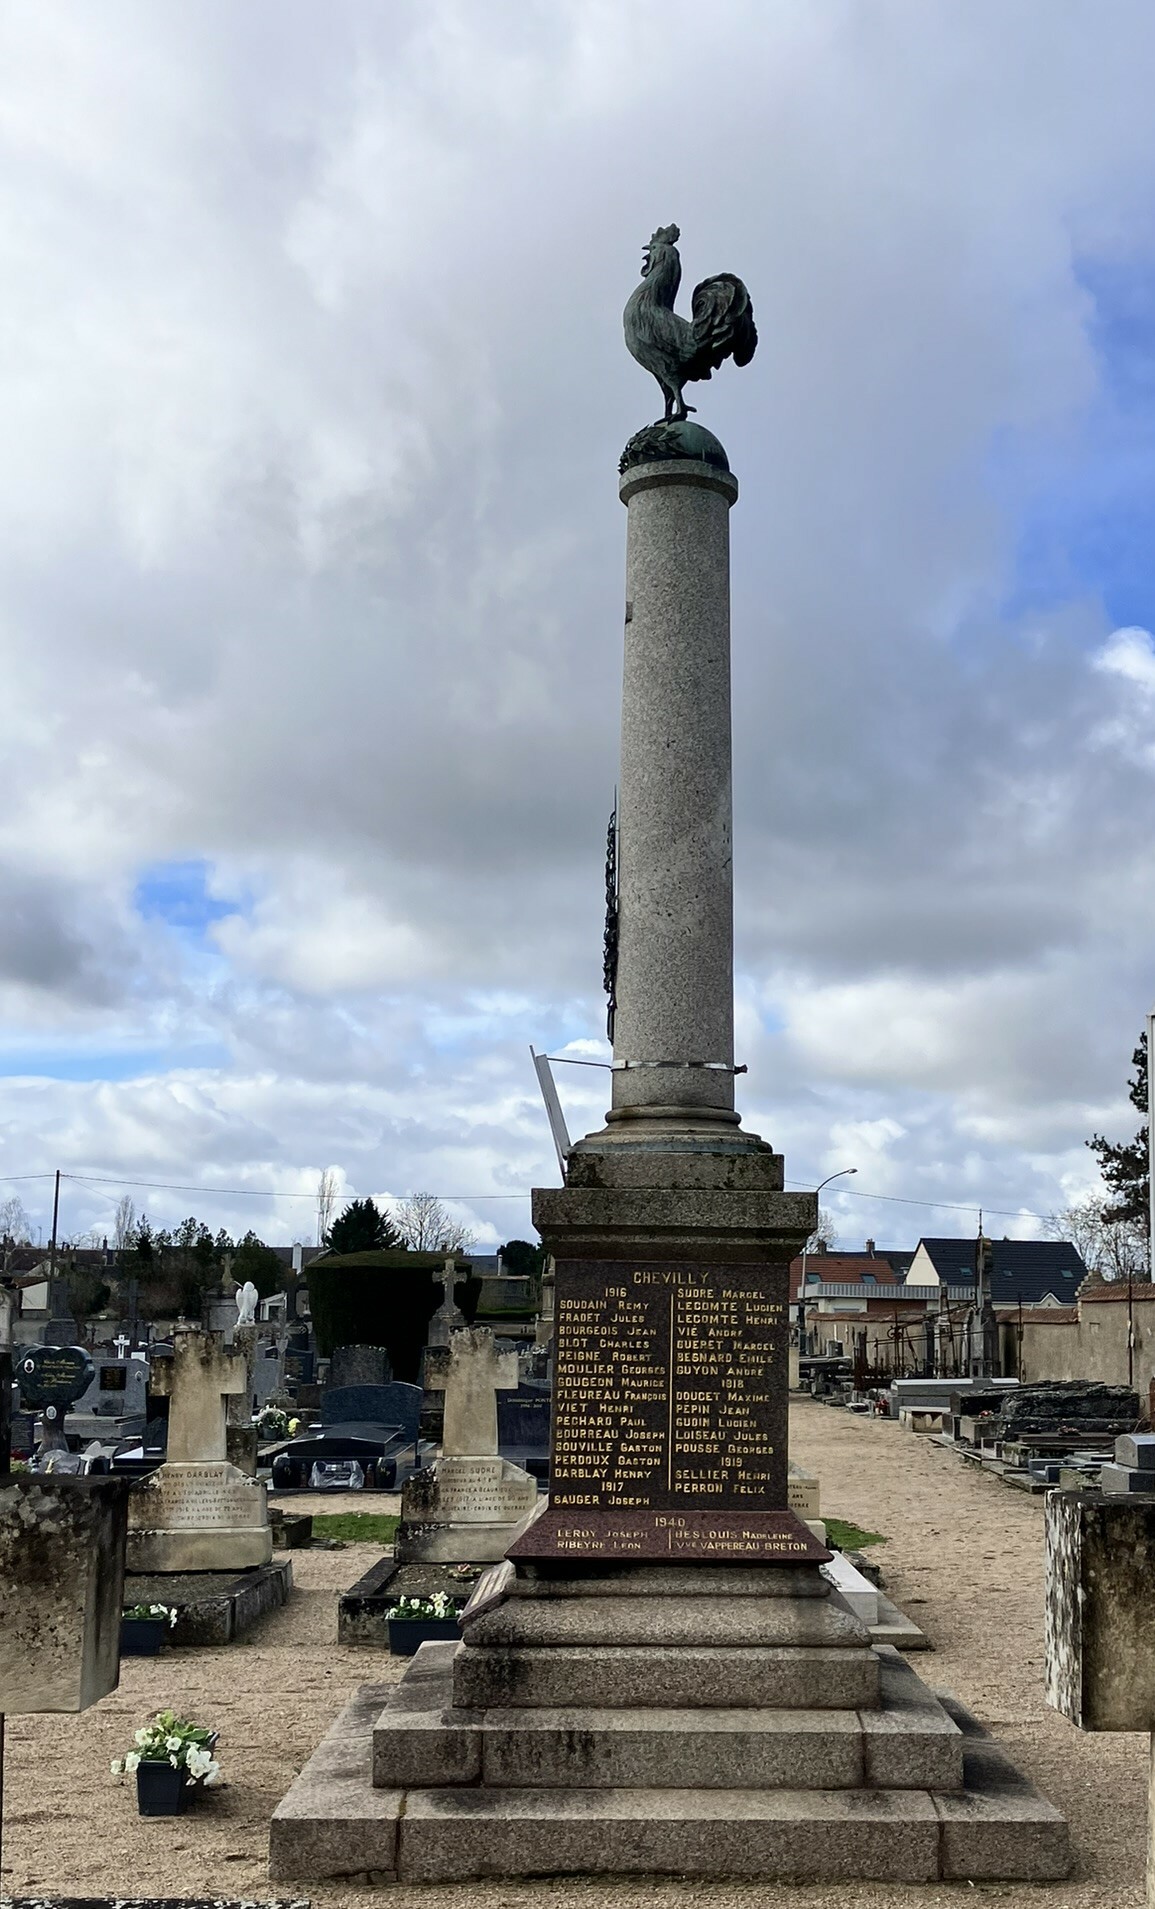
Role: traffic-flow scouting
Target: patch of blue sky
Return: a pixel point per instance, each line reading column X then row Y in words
column 1086, row 528
column 123, row 1064
column 177, row 893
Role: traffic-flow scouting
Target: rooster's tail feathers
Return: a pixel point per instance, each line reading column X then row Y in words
column 723, row 324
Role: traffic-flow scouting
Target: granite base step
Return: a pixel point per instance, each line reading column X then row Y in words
column 335, row 1825
column 665, row 1677
column 421, row 1742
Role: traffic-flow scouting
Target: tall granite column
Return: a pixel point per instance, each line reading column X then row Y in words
column 675, row 996
column 672, row 1235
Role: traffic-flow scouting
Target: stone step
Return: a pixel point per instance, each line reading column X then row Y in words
column 664, row 1677
column 333, row 1824
column 530, row 1579
column 671, row 1621
column 791, row 1835
column 421, row 1742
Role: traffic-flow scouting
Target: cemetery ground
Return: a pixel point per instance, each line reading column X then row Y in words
column 963, row 1554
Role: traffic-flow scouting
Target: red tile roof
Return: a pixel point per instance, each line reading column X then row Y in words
column 842, row 1269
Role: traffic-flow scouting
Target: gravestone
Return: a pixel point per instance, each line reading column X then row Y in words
column 61, row 1590
column 523, row 1429
column 448, row 1318
column 51, row 1379
column 359, row 1365
column 240, row 1432
column 119, row 1389
column 394, row 1404
column 198, row 1512
column 467, row 1506
column 803, row 1492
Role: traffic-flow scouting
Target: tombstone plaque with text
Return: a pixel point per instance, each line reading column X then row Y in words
column 669, row 1417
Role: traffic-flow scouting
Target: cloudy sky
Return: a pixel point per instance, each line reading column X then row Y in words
column 311, row 558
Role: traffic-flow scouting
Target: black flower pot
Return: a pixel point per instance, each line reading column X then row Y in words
column 407, row 1634
column 160, row 1790
column 142, row 1636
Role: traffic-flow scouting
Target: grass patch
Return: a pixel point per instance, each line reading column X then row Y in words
column 357, row 1527
column 845, row 1536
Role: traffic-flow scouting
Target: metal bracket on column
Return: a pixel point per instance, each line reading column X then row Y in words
column 717, row 1067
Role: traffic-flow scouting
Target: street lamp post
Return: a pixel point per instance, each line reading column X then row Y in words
column 802, row 1289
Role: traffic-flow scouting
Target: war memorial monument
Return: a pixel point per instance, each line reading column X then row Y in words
column 659, row 1678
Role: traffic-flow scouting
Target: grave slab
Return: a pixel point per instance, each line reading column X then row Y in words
column 1137, row 1449
column 213, row 1607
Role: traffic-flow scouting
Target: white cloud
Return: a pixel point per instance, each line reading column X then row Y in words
column 313, row 390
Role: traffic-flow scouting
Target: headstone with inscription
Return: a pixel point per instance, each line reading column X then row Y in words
column 198, row 1512
column 51, row 1379
column 467, row 1506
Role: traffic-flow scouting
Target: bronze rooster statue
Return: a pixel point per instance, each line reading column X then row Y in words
column 680, row 351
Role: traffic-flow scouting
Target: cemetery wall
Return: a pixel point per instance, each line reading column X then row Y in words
column 1092, row 1345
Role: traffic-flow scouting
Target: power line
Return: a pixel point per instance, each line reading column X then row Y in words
column 254, row 1193
column 474, row 1199
column 947, row 1206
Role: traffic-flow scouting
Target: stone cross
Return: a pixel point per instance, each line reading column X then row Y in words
column 197, row 1380
column 120, row 1344
column 471, row 1372
column 448, row 1318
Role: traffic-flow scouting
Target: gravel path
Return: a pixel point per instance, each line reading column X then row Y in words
column 964, row 1556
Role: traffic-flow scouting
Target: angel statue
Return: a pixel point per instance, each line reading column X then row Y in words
column 677, row 350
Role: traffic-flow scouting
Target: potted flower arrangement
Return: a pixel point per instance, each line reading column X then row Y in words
column 414, row 1621
column 169, row 1756
column 142, row 1628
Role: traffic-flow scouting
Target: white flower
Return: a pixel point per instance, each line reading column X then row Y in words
column 142, row 1737
column 198, row 1762
column 212, row 1775
column 172, row 1743
column 130, row 1762
column 175, row 1761
column 117, row 1766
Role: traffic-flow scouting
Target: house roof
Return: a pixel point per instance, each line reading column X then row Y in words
column 842, row 1269
column 1025, row 1270
column 1115, row 1292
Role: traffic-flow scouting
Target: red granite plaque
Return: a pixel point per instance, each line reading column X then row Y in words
column 669, row 1419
